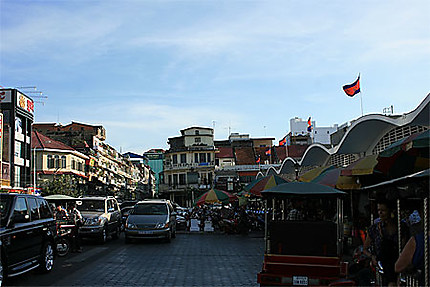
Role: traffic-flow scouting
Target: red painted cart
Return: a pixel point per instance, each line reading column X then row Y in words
column 306, row 251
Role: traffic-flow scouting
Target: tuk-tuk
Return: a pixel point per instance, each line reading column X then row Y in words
column 307, row 251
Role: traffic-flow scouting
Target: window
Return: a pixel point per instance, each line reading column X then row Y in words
column 202, row 157
column 183, row 158
column 169, row 179
column 109, row 204
column 44, row 210
column 196, row 158
column 182, row 179
column 198, row 140
column 197, row 132
column 175, row 159
column 80, row 167
column 20, row 213
column 56, row 161
column 175, row 179
column 115, row 204
column 73, row 164
column 50, row 161
column 208, row 157
column 34, row 210
column 63, row 161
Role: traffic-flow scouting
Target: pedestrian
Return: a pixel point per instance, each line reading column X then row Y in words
column 411, row 259
column 382, row 240
column 77, row 219
column 60, row 213
column 296, row 212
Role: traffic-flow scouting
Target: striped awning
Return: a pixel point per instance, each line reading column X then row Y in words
column 363, row 166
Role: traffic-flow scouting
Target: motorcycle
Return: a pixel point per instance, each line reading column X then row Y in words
column 64, row 239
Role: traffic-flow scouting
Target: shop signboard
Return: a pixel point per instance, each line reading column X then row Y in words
column 5, row 96
column 1, row 143
column 25, row 103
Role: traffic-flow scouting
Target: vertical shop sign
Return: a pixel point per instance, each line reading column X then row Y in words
column 1, row 148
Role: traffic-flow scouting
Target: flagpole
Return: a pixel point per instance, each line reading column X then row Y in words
column 361, row 97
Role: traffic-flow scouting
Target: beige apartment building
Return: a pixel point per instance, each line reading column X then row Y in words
column 189, row 165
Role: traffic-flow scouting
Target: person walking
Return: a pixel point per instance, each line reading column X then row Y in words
column 382, row 240
column 77, row 219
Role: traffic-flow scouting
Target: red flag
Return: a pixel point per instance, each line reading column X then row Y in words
column 283, row 142
column 352, row 89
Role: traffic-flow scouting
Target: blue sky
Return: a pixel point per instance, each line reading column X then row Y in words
column 147, row 69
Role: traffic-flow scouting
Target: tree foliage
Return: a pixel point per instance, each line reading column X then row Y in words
column 60, row 184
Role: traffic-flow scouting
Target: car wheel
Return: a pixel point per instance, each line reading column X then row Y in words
column 103, row 235
column 63, row 247
column 47, row 258
column 169, row 236
column 117, row 233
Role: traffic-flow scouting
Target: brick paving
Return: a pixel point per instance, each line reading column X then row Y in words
column 189, row 260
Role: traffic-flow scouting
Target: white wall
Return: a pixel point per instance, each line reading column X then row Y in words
column 318, row 134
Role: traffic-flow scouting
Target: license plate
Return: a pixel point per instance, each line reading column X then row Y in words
column 145, row 232
column 300, row 280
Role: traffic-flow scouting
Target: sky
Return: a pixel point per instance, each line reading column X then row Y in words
column 147, row 69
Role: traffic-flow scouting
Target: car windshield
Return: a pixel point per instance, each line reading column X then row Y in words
column 92, row 205
column 5, row 203
column 150, row 209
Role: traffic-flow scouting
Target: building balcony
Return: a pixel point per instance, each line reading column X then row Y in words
column 185, row 166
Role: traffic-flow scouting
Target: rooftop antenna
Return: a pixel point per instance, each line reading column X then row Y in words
column 33, row 90
column 389, row 110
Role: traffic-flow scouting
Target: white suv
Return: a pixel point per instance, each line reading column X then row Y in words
column 102, row 217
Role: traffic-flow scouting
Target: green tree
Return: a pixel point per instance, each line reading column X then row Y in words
column 61, row 184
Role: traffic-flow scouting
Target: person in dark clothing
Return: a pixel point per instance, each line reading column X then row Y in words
column 412, row 257
column 77, row 219
column 382, row 238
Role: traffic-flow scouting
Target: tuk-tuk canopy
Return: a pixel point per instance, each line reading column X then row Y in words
column 59, row 197
column 302, row 188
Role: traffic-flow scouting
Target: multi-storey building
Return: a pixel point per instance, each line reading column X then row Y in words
column 155, row 161
column 240, row 158
column 109, row 172
column 143, row 178
column 189, row 165
column 17, row 112
column 53, row 158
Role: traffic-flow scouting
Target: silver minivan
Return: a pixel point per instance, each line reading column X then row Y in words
column 152, row 218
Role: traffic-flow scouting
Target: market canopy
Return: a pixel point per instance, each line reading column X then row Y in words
column 330, row 176
column 363, row 166
column 405, row 156
column 215, row 196
column 256, row 186
column 302, row 188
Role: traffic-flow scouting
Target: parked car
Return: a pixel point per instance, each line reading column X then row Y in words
column 181, row 222
column 151, row 219
column 125, row 212
column 27, row 234
column 102, row 217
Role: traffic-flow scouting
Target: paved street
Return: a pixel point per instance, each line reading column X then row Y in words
column 190, row 260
